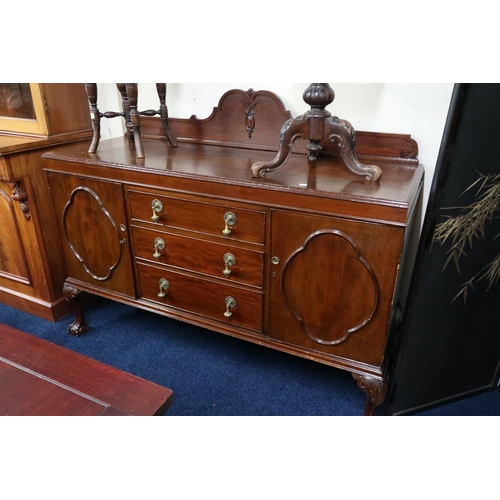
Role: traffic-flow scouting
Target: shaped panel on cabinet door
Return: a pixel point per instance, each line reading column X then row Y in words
column 92, row 226
column 332, row 284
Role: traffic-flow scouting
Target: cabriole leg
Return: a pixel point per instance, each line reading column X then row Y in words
column 375, row 390
column 72, row 295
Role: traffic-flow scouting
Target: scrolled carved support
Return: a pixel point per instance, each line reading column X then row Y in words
column 72, row 295
column 345, row 133
column 20, row 195
column 375, row 390
column 292, row 129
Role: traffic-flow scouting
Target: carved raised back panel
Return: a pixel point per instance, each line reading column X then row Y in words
column 13, row 263
column 254, row 119
column 333, row 287
column 241, row 119
column 90, row 215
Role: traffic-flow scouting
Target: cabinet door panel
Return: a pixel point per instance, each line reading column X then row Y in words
column 92, row 223
column 333, row 287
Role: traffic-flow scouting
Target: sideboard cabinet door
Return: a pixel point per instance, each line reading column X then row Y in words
column 92, row 224
column 332, row 284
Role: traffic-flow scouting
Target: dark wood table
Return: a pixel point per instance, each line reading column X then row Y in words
column 38, row 378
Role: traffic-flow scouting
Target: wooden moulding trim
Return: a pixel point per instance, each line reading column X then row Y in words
column 13, row 277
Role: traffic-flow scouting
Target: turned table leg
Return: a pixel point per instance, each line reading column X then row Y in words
column 72, row 295
column 95, row 116
column 135, row 119
column 122, row 88
column 161, row 88
column 375, row 390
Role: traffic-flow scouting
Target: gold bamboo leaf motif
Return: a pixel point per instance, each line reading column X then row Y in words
column 462, row 229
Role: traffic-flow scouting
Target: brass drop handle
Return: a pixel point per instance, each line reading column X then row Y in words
column 157, row 207
column 230, row 304
column 159, row 245
column 229, row 220
column 164, row 285
column 229, row 260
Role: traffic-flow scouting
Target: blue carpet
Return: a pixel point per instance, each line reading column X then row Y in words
column 214, row 374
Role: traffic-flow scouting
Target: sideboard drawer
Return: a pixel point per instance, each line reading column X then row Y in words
column 200, row 296
column 206, row 218
column 219, row 260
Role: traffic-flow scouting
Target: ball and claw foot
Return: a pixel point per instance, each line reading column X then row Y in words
column 72, row 295
column 77, row 329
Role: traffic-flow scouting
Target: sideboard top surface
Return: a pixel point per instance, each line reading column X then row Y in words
column 329, row 178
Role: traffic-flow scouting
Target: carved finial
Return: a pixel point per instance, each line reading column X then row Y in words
column 319, row 96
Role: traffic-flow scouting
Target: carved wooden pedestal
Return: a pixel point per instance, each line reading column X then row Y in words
column 317, row 125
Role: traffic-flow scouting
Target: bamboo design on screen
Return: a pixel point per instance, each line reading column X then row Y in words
column 469, row 225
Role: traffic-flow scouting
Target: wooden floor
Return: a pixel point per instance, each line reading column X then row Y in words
column 38, row 378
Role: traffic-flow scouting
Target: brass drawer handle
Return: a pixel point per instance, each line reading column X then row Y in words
column 164, row 285
column 229, row 260
column 230, row 304
column 157, row 207
column 229, row 220
column 159, row 245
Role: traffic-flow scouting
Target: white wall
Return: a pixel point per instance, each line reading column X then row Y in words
column 419, row 109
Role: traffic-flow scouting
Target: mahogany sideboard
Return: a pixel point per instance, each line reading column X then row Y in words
column 307, row 260
column 33, row 118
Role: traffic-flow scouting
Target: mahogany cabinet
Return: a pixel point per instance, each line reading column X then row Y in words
column 307, row 260
column 33, row 118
